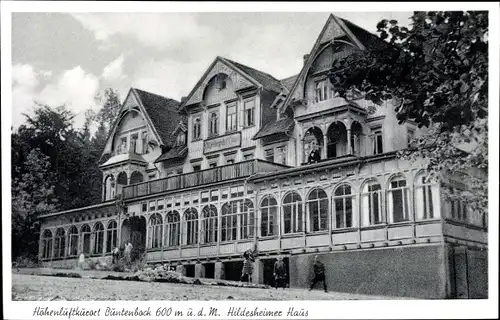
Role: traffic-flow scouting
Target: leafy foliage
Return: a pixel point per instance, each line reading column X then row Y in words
column 55, row 166
column 437, row 75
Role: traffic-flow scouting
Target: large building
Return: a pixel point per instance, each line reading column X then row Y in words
column 195, row 184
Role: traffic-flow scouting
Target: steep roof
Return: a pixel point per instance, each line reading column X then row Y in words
column 178, row 152
column 163, row 113
column 265, row 79
column 280, row 126
column 288, row 82
column 334, row 28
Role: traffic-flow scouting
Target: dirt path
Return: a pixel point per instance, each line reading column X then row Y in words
column 36, row 288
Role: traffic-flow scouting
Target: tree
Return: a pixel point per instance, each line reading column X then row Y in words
column 110, row 101
column 33, row 194
column 437, row 74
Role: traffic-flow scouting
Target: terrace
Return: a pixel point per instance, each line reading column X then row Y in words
column 204, row 177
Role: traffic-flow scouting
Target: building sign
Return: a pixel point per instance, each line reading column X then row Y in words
column 224, row 142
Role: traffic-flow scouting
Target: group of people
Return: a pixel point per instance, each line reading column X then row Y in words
column 280, row 271
column 125, row 252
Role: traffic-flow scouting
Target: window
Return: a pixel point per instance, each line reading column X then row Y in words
column 59, row 243
column 229, row 225
column 73, row 241
column 152, row 206
column 191, row 226
column 231, row 118
column 343, row 200
column 214, row 124
column 172, row 229
column 47, row 244
column 292, row 213
column 212, row 164
column 197, row 128
column 281, row 155
column 144, row 137
column 269, row 217
column 269, row 154
column 155, row 231
column 410, row 134
column 209, row 224
column 323, row 90
column 181, row 139
column 98, row 238
column 398, row 200
column 112, row 236
column 123, row 145
column 133, row 143
column 230, row 161
column 424, row 208
column 377, row 141
column 246, row 219
column 249, row 113
column 196, row 167
column 317, row 206
column 86, row 234
column 161, row 204
column 144, row 207
column 371, row 203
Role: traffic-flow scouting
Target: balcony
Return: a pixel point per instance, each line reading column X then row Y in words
column 193, row 179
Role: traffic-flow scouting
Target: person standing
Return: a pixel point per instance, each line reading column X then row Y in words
column 247, row 270
column 279, row 273
column 116, row 252
column 319, row 273
column 314, row 156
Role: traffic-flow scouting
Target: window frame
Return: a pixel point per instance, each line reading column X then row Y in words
column 246, row 123
column 232, row 116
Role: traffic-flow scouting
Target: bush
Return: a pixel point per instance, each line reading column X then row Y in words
column 92, row 264
column 26, row 261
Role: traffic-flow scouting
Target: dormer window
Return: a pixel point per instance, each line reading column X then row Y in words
column 323, row 90
column 181, row 139
column 123, row 145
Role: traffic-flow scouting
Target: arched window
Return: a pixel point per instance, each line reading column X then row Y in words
column 73, row 241
column 268, row 217
column 155, row 230
column 112, row 236
column 317, row 206
column 109, row 187
column 424, row 207
column 371, row 203
column 47, row 244
column 98, row 238
column 246, row 219
column 398, row 200
column 191, row 226
column 343, row 203
column 136, row 177
column 172, row 229
column 229, row 225
column 196, row 128
column 292, row 213
column 86, row 234
column 209, row 224
column 59, row 243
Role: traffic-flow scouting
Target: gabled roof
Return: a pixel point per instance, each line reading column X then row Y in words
column 178, row 152
column 265, row 79
column 334, row 28
column 280, row 126
column 163, row 113
column 254, row 76
column 288, row 82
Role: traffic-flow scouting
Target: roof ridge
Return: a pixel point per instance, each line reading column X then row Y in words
column 155, row 94
column 244, row 65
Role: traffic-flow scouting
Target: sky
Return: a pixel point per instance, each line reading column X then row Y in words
column 67, row 58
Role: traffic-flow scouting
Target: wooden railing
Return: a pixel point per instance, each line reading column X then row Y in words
column 198, row 178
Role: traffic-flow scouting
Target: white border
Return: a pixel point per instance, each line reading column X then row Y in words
column 424, row 309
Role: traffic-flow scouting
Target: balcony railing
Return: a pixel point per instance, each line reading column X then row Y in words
column 203, row 177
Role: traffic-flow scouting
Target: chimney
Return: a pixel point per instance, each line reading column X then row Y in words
column 306, row 56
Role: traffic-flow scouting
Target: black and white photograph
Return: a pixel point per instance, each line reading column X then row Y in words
column 240, row 161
